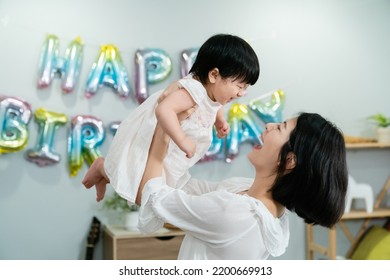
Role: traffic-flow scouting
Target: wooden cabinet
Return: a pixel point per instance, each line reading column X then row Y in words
column 378, row 213
column 121, row 244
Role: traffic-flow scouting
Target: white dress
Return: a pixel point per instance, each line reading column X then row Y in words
column 219, row 223
column 126, row 159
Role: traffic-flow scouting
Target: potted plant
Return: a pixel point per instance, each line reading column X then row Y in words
column 383, row 127
column 128, row 212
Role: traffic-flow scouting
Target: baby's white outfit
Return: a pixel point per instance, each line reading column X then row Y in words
column 126, row 159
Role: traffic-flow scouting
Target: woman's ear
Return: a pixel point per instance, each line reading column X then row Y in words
column 213, row 74
column 291, row 161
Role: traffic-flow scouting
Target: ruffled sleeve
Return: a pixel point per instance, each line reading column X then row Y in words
column 275, row 231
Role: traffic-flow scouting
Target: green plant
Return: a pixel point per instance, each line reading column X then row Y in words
column 380, row 120
column 117, row 203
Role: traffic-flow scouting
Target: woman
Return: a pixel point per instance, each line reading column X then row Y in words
column 300, row 167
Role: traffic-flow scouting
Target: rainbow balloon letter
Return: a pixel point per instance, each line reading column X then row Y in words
column 86, row 135
column 187, row 60
column 269, row 111
column 109, row 71
column 43, row 154
column 151, row 66
column 68, row 67
column 15, row 114
column 242, row 129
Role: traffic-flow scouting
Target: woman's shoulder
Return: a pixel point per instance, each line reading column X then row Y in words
column 235, row 184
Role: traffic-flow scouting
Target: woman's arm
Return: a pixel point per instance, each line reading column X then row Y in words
column 154, row 164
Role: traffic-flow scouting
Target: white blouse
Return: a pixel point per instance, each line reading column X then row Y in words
column 218, row 222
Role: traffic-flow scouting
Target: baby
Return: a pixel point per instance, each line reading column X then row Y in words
column 224, row 68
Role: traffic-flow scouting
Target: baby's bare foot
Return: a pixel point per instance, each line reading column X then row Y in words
column 93, row 175
column 101, row 189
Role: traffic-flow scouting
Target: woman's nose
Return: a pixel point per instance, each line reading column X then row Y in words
column 270, row 126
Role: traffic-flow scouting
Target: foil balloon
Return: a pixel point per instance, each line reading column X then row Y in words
column 269, row 111
column 43, row 154
column 187, row 59
column 216, row 150
column 151, row 66
column 67, row 67
column 86, row 136
column 15, row 114
column 108, row 71
column 242, row 129
column 113, row 127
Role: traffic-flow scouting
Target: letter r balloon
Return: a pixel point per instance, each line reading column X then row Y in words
column 86, row 136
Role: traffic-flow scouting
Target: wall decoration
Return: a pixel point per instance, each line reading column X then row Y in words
column 43, row 154
column 113, row 127
column 67, row 67
column 108, row 70
column 86, row 136
column 15, row 114
column 243, row 128
column 151, row 66
column 269, row 111
column 216, row 150
column 187, row 59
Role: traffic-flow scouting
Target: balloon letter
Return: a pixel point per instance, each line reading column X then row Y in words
column 269, row 111
column 151, row 66
column 113, row 127
column 187, row 60
column 242, row 129
column 15, row 114
column 86, row 135
column 216, row 148
column 43, row 154
column 68, row 67
column 109, row 71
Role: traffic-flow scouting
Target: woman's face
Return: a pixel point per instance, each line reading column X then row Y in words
column 266, row 156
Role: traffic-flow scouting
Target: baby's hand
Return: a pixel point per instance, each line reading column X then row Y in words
column 222, row 127
column 188, row 147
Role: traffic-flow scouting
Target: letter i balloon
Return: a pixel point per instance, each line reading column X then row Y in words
column 43, row 154
column 86, row 136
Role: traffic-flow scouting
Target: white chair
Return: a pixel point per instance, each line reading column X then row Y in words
column 359, row 191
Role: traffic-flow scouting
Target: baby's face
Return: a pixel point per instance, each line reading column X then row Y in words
column 227, row 89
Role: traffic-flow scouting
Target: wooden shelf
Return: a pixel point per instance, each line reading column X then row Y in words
column 371, row 145
column 376, row 213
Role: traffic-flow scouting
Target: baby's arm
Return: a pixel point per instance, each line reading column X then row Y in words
column 221, row 125
column 166, row 112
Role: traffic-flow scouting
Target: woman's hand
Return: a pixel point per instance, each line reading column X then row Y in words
column 170, row 89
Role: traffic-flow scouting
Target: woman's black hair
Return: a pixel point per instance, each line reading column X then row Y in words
column 233, row 57
column 316, row 187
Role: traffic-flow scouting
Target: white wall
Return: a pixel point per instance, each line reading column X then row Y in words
column 330, row 57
